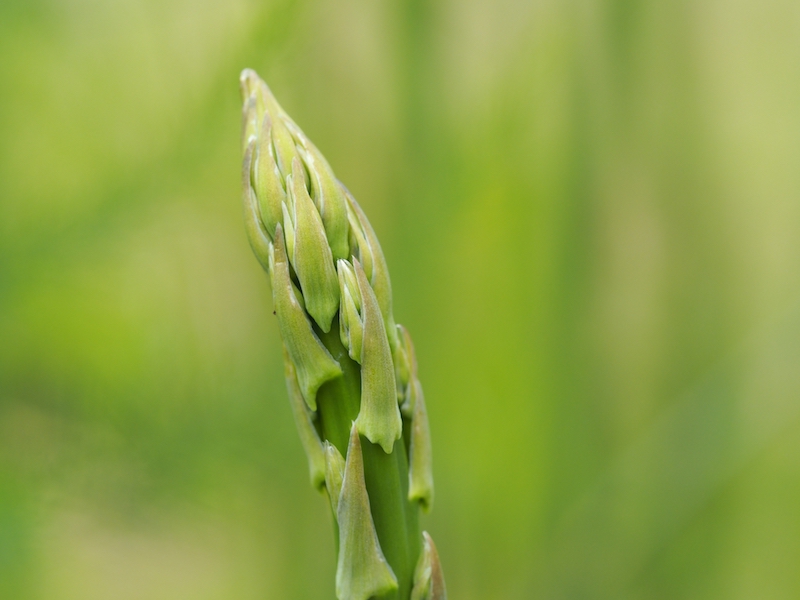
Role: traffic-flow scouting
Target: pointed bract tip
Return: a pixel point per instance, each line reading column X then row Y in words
column 405, row 367
column 428, row 577
column 256, row 235
column 420, row 471
column 334, row 474
column 351, row 330
column 313, row 362
column 248, row 80
column 267, row 180
column 362, row 570
column 312, row 258
column 379, row 416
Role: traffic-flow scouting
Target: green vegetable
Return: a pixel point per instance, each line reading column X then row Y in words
column 350, row 371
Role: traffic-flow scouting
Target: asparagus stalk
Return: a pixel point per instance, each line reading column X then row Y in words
column 350, row 370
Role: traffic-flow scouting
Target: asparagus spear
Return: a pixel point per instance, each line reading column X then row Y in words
column 350, row 370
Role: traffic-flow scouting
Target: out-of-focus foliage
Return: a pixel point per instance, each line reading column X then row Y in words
column 591, row 213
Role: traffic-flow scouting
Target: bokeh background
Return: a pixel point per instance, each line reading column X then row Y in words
column 591, row 214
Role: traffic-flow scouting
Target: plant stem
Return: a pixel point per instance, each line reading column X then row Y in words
column 396, row 518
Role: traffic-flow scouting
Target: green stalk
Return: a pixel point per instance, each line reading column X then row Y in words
column 350, row 370
column 396, row 518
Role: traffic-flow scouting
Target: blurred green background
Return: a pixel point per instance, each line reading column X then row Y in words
column 591, row 213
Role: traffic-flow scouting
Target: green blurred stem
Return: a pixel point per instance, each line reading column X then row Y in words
column 396, row 519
